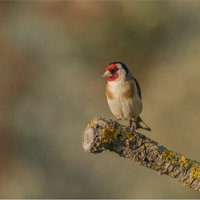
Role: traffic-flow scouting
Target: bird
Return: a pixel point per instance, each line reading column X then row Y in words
column 124, row 95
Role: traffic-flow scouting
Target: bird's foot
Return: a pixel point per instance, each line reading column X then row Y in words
column 132, row 125
column 115, row 121
column 133, row 128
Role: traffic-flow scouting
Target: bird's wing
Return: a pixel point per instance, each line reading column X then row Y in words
column 138, row 87
column 131, row 77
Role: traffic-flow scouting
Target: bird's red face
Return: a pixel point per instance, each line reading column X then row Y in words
column 111, row 72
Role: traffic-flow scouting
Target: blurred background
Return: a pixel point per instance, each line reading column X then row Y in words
column 52, row 57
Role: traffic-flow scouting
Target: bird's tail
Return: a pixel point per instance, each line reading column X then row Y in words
column 141, row 124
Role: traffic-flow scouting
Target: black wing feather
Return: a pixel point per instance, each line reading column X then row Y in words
column 138, row 88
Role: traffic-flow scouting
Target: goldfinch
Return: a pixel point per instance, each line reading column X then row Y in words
column 124, row 95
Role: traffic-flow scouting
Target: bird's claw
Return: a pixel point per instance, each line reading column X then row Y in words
column 115, row 121
column 133, row 129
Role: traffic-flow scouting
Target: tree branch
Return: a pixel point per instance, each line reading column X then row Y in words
column 102, row 134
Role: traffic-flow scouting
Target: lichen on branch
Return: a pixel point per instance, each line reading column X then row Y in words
column 103, row 134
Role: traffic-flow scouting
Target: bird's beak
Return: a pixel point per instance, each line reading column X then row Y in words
column 107, row 74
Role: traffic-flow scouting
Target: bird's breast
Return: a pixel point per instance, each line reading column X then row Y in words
column 124, row 90
column 128, row 90
column 123, row 99
column 109, row 93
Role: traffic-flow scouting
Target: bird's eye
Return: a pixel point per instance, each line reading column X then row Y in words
column 114, row 70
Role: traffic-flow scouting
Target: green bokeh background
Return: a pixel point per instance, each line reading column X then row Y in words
column 53, row 54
